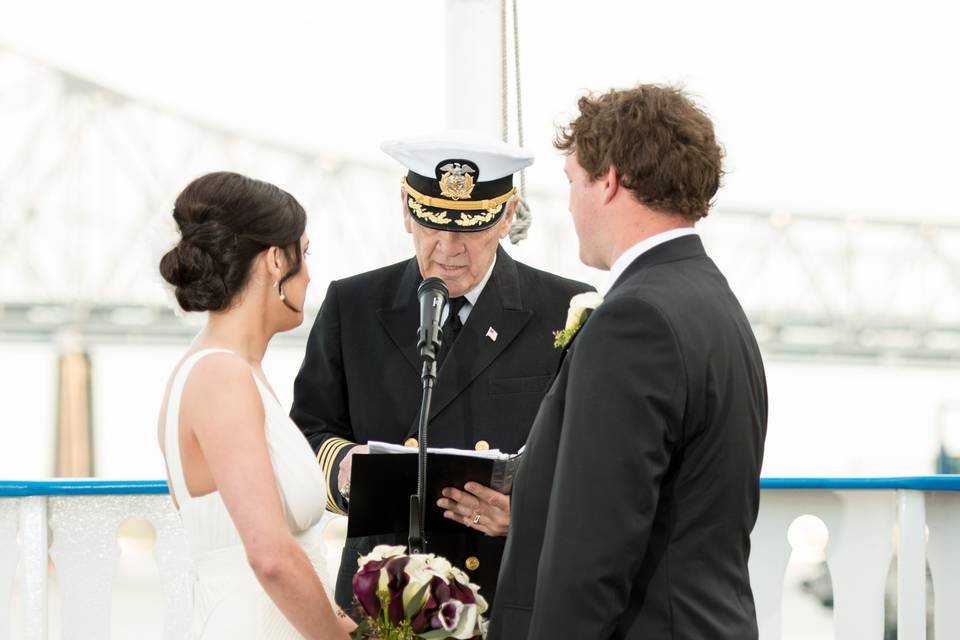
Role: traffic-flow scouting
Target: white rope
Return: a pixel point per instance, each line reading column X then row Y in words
column 504, row 115
column 524, row 217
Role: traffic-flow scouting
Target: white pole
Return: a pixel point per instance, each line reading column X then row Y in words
column 33, row 544
column 912, row 567
column 474, row 71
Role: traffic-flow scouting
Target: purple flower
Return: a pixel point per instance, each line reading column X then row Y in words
column 462, row 592
column 426, row 619
column 366, row 583
column 422, row 590
column 396, row 580
column 449, row 614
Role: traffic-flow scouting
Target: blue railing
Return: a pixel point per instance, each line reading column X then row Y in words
column 68, row 487
column 64, row 487
column 909, row 483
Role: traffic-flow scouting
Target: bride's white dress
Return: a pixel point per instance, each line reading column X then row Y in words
column 228, row 600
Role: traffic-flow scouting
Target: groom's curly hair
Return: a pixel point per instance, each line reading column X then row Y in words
column 662, row 146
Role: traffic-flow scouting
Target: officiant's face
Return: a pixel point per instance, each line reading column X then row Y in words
column 459, row 258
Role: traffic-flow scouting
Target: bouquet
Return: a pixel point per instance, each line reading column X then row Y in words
column 406, row 597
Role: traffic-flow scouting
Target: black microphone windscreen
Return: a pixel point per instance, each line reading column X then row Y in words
column 433, row 284
column 433, row 295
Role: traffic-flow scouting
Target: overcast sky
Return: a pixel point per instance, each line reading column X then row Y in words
column 845, row 107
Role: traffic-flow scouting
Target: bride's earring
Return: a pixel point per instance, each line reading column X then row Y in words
column 282, row 296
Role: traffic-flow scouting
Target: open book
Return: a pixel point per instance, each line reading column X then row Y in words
column 382, row 482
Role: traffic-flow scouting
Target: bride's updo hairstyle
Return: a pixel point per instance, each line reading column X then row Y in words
column 225, row 221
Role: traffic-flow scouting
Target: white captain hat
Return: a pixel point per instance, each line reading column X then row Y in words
column 457, row 180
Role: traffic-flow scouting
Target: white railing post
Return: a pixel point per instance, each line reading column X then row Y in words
column 912, row 566
column 943, row 551
column 9, row 556
column 858, row 555
column 769, row 556
column 33, row 546
column 174, row 564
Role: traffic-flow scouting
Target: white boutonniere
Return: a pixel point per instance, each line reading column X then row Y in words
column 576, row 314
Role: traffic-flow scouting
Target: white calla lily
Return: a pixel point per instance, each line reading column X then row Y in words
column 382, row 552
column 467, row 619
column 579, row 304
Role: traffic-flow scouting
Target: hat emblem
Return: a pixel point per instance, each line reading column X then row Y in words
column 456, row 182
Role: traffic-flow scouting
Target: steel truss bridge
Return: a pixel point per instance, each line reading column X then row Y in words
column 88, row 176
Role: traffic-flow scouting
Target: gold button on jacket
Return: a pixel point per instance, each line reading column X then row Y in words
column 410, row 442
column 482, row 445
column 472, row 563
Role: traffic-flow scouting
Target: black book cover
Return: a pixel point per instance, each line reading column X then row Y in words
column 381, row 485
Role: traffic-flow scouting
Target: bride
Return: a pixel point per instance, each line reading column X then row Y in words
column 240, row 472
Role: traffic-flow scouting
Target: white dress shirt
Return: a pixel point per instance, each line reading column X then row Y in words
column 472, row 296
column 634, row 252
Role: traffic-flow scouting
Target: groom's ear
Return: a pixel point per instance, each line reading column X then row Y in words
column 611, row 184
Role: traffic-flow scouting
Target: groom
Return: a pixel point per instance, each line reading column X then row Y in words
column 633, row 506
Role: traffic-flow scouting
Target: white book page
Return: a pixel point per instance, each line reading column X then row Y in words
column 386, row 447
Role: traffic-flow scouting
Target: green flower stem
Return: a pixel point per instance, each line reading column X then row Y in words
column 562, row 337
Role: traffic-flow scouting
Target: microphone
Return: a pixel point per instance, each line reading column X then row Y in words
column 433, row 296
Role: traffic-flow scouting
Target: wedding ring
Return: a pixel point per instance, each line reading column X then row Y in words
column 476, row 518
column 345, row 490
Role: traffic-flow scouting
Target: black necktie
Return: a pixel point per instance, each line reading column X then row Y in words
column 451, row 327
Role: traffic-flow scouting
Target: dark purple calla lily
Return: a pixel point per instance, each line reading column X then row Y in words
column 462, row 592
column 365, row 583
column 397, row 579
column 427, row 618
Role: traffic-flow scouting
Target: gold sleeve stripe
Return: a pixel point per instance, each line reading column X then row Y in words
column 325, row 457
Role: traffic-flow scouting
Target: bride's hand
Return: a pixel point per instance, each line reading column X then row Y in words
column 343, row 475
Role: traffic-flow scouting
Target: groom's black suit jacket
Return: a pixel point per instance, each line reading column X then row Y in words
column 638, row 489
column 360, row 381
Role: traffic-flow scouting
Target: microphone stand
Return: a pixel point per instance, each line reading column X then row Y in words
column 433, row 295
column 415, row 539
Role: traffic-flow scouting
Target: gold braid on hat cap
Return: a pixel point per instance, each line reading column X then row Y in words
column 457, row 205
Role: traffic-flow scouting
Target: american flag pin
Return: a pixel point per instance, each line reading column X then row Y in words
column 492, row 334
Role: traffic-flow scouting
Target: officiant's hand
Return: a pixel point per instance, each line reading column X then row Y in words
column 343, row 476
column 478, row 507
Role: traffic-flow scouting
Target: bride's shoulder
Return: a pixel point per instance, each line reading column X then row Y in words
column 221, row 383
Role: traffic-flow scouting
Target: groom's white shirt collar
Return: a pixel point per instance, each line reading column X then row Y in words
column 634, row 252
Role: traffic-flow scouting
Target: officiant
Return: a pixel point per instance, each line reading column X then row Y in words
column 360, row 377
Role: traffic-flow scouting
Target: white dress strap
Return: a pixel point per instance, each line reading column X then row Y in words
column 171, row 427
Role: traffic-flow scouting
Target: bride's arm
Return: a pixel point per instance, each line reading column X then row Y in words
column 223, row 409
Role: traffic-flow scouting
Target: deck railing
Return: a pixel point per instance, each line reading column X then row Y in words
column 868, row 522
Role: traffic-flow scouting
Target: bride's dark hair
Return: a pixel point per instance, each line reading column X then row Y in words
column 225, row 221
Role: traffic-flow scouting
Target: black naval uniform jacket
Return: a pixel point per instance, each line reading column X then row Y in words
column 360, row 381
column 634, row 501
